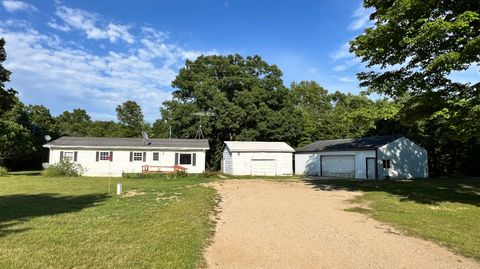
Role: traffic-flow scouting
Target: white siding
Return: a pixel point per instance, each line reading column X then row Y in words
column 227, row 161
column 241, row 162
column 121, row 161
column 407, row 160
column 309, row 163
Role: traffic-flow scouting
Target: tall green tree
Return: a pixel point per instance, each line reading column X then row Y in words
column 75, row 123
column 17, row 143
column 413, row 49
column 160, row 129
column 130, row 116
column 231, row 98
column 41, row 120
column 7, row 96
column 105, row 129
column 19, row 147
column 314, row 102
column 416, row 46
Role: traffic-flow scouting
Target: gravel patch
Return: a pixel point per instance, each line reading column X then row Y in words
column 264, row 224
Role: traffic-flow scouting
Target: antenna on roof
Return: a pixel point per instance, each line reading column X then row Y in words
column 47, row 138
column 145, row 138
column 206, row 114
column 199, row 134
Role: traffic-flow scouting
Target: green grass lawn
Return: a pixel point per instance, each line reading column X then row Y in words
column 74, row 223
column 446, row 211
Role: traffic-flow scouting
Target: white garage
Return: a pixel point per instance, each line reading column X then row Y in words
column 377, row 157
column 257, row 158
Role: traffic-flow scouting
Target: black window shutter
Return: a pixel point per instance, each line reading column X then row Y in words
column 75, row 156
column 61, row 155
column 194, row 159
column 176, row 158
column 131, row 156
column 144, row 156
column 97, row 156
column 111, row 156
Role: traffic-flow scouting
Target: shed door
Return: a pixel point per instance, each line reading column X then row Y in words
column 370, row 168
column 338, row 166
column 263, row 167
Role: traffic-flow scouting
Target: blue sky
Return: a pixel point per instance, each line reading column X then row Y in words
column 98, row 54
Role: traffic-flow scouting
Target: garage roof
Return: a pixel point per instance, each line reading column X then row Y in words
column 255, row 146
column 109, row 142
column 364, row 143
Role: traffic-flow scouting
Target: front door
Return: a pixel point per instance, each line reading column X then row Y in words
column 370, row 168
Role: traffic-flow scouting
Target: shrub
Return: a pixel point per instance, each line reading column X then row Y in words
column 209, row 174
column 3, row 171
column 141, row 176
column 177, row 174
column 64, row 169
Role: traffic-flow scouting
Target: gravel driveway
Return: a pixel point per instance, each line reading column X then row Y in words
column 292, row 225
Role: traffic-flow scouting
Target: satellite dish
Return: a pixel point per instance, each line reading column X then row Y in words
column 47, row 138
column 145, row 138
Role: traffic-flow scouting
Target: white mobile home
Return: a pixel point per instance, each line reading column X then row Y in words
column 257, row 158
column 101, row 156
column 379, row 157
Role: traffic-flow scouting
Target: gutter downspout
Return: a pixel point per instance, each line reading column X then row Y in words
column 376, row 164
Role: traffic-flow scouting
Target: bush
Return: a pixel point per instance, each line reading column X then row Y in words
column 64, row 169
column 177, row 174
column 209, row 174
column 3, row 171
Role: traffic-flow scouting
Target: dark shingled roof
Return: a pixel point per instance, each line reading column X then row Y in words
column 364, row 143
column 103, row 142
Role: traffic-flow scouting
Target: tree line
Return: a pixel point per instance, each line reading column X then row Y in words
column 253, row 106
column 232, row 98
column 411, row 51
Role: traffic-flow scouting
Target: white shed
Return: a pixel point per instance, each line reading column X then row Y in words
column 257, row 158
column 103, row 156
column 379, row 157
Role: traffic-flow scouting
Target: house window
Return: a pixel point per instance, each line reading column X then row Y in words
column 68, row 156
column 155, row 156
column 138, row 156
column 104, row 156
column 386, row 164
column 185, row 159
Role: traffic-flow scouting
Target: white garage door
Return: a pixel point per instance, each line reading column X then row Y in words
column 263, row 167
column 338, row 166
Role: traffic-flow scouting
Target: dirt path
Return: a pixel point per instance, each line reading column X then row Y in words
column 290, row 225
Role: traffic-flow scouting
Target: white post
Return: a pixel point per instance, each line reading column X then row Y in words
column 119, row 188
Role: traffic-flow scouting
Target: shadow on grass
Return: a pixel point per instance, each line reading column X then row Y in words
column 424, row 191
column 19, row 208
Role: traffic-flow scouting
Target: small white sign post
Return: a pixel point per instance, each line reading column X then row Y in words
column 119, row 188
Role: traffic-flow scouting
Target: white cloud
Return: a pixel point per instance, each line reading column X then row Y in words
column 347, row 79
column 361, row 19
column 345, row 59
column 13, row 6
column 89, row 23
column 62, row 75
column 53, row 24
column 347, row 64
column 342, row 53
